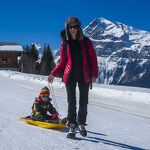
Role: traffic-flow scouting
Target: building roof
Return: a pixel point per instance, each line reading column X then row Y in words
column 10, row 47
column 8, row 43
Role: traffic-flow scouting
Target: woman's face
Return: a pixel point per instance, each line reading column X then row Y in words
column 73, row 29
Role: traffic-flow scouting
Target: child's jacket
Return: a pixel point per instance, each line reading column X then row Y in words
column 40, row 108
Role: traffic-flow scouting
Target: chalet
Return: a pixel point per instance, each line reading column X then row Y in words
column 9, row 53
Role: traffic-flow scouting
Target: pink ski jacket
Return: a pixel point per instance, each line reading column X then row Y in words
column 66, row 63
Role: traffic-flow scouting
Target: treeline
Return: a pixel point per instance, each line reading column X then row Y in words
column 31, row 63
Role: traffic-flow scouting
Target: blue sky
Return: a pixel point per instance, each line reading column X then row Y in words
column 40, row 21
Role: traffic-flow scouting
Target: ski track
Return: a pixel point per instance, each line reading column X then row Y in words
column 16, row 135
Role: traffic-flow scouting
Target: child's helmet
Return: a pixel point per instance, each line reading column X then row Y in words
column 45, row 91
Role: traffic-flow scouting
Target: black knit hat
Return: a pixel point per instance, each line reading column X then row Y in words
column 78, row 23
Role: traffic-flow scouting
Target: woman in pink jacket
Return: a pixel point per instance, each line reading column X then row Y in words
column 80, row 68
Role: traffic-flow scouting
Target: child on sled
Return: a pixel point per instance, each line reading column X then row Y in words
column 42, row 105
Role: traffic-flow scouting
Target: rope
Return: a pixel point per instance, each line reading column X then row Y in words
column 53, row 97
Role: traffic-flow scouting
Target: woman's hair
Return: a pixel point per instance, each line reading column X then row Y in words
column 78, row 23
column 72, row 20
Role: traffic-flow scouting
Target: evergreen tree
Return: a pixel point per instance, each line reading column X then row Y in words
column 33, row 53
column 26, row 49
column 34, row 57
column 47, row 61
column 29, row 60
column 24, row 60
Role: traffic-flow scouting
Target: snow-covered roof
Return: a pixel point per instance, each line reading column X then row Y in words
column 10, row 47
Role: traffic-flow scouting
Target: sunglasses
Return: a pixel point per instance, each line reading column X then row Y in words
column 74, row 27
column 44, row 96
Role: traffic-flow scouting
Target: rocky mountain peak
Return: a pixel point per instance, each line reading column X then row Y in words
column 123, row 52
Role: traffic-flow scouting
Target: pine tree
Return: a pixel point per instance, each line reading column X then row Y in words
column 24, row 60
column 47, row 61
column 29, row 59
column 33, row 53
column 26, row 49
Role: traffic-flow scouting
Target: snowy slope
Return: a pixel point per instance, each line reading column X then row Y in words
column 118, row 117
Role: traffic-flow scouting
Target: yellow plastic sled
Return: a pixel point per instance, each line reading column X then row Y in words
column 44, row 124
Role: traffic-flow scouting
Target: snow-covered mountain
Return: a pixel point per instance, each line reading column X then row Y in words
column 38, row 47
column 56, row 53
column 123, row 52
column 41, row 49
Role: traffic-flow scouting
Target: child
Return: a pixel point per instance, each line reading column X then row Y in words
column 41, row 105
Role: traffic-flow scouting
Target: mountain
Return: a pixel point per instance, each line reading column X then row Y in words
column 123, row 52
column 39, row 48
column 56, row 53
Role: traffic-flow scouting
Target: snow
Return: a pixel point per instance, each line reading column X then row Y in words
column 38, row 46
column 138, row 38
column 13, row 48
column 118, row 116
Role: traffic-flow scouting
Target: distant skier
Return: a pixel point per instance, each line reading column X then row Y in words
column 42, row 105
column 79, row 60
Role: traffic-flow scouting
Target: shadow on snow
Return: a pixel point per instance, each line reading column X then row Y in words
column 101, row 140
column 108, row 142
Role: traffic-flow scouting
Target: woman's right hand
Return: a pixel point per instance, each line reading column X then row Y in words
column 51, row 78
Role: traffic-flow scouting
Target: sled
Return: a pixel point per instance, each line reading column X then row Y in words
column 44, row 124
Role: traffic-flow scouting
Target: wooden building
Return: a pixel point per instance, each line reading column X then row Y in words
column 9, row 53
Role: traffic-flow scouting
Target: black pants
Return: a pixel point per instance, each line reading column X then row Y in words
column 42, row 117
column 83, row 100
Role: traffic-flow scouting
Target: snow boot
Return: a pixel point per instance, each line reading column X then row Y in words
column 72, row 131
column 63, row 121
column 82, row 130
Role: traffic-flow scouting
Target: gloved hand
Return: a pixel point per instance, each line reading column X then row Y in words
column 55, row 116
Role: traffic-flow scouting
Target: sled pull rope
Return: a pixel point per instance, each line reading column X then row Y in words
column 53, row 97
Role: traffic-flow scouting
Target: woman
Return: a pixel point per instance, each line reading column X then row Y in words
column 76, row 71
